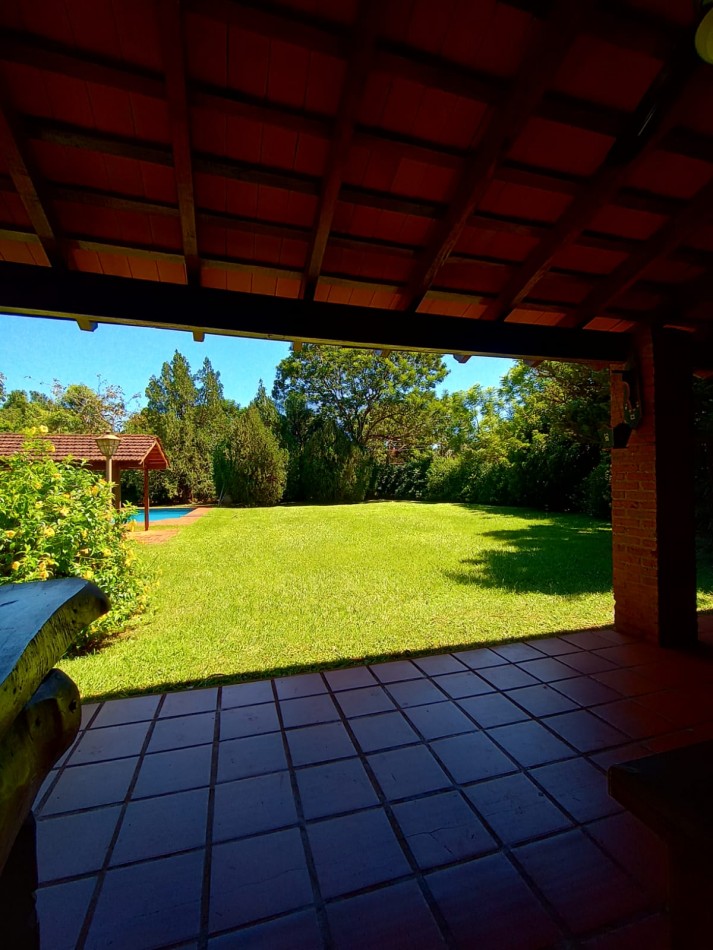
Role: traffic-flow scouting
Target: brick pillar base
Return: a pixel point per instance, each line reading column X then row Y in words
column 653, row 498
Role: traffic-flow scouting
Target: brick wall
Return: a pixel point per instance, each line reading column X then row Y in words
column 645, row 589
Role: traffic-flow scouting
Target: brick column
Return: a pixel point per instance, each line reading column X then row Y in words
column 653, row 498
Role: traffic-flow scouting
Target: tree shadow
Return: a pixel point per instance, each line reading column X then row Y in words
column 565, row 556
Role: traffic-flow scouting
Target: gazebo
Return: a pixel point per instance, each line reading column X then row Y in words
column 143, row 452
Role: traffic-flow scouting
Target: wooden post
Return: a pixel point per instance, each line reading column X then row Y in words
column 146, row 498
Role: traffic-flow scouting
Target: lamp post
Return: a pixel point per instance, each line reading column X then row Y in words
column 108, row 444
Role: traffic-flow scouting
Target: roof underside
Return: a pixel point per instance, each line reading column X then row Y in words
column 518, row 161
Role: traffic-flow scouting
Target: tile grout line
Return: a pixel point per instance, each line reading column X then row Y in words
column 318, row 903
column 204, row 923
column 417, row 873
column 101, row 874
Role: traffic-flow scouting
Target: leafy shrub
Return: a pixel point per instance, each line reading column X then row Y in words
column 596, row 491
column 57, row 520
column 446, row 479
column 249, row 467
column 333, row 469
column 404, row 481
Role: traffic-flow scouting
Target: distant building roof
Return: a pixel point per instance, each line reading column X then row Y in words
column 134, row 451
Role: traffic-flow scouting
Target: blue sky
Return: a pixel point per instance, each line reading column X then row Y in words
column 35, row 351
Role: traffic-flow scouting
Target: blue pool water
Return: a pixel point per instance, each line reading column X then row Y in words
column 160, row 514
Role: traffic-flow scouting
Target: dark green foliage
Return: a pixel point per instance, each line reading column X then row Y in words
column 332, row 469
column 191, row 416
column 250, row 468
column 404, row 481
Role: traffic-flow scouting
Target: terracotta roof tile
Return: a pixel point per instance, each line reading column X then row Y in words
column 133, row 452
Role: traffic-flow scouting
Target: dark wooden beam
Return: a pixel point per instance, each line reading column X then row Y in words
column 173, row 50
column 440, row 73
column 540, row 64
column 653, row 119
column 359, row 60
column 27, row 185
column 660, row 245
column 42, row 292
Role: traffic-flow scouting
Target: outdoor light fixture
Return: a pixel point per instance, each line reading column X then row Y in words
column 108, row 444
column 704, row 33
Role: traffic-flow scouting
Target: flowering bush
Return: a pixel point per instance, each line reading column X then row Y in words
column 57, row 520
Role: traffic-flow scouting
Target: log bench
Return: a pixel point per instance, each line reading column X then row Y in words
column 672, row 793
column 40, row 713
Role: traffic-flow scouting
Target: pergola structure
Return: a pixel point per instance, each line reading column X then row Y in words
column 526, row 178
column 143, row 452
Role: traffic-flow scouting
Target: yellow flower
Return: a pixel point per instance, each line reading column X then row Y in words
column 43, row 575
column 106, row 552
column 88, row 575
column 10, row 534
column 15, row 566
column 48, row 532
column 38, row 504
column 44, row 430
column 94, row 490
column 63, row 511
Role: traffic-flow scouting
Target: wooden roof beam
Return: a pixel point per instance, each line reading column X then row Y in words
column 540, row 64
column 660, row 245
column 655, row 116
column 28, row 187
column 358, row 64
column 29, row 290
column 39, row 53
column 173, row 49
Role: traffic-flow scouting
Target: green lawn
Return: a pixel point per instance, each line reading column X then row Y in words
column 249, row 593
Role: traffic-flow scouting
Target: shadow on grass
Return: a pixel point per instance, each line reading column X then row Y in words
column 343, row 663
column 558, row 555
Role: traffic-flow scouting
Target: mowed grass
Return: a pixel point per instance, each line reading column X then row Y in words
column 250, row 593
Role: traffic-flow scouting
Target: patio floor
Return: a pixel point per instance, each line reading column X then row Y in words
column 456, row 800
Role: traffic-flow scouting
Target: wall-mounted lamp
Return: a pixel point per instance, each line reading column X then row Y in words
column 704, row 32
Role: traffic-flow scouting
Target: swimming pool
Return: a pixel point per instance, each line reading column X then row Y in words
column 160, row 514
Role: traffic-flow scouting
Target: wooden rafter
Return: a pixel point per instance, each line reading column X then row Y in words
column 27, row 49
column 358, row 65
column 171, row 28
column 540, row 65
column 75, row 137
column 112, row 201
column 26, row 183
column 32, row 290
column 660, row 245
column 649, row 124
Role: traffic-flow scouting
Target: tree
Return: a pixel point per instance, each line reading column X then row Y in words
column 250, row 468
column 190, row 415
column 73, row 408
column 385, row 405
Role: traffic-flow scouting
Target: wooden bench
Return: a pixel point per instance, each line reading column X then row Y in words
column 672, row 793
column 40, row 713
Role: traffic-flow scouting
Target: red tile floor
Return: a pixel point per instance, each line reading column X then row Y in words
column 456, row 800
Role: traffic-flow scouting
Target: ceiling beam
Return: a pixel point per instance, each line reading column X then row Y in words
column 29, row 290
column 40, row 53
column 113, row 201
column 660, row 245
column 359, row 60
column 654, row 117
column 26, row 184
column 540, row 64
column 174, row 56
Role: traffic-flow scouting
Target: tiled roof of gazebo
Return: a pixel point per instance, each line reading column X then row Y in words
column 519, row 161
column 133, row 451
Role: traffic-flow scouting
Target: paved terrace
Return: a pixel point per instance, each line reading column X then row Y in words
column 457, row 800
